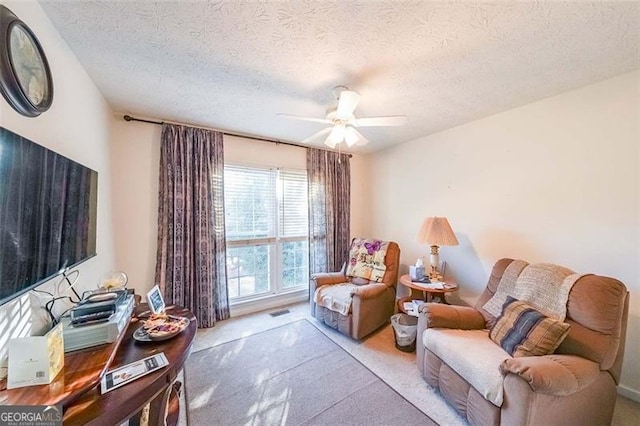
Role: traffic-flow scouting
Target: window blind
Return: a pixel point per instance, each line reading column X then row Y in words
column 293, row 205
column 266, row 215
column 250, row 203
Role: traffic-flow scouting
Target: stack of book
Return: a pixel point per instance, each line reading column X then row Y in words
column 97, row 307
column 97, row 333
column 430, row 285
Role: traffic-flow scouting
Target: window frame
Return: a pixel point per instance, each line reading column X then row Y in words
column 274, row 244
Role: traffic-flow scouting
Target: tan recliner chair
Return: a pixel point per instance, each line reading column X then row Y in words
column 373, row 303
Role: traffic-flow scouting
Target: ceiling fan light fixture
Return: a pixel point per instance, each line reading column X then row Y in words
column 350, row 136
column 337, row 133
column 329, row 142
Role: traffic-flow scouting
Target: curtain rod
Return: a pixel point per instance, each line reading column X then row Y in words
column 127, row 117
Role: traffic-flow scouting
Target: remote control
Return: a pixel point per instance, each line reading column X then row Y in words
column 92, row 317
column 100, row 297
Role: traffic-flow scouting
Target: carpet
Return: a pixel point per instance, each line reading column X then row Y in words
column 291, row 375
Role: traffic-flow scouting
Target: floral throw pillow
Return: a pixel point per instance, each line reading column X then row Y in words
column 366, row 260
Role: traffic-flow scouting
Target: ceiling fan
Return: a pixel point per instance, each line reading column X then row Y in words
column 344, row 123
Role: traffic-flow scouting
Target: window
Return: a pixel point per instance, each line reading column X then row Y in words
column 266, row 219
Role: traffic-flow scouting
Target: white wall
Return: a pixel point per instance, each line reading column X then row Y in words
column 136, row 157
column 554, row 181
column 360, row 192
column 135, row 161
column 77, row 126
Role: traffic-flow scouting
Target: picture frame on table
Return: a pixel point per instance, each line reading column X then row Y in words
column 155, row 300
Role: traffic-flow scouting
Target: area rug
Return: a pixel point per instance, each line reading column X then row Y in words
column 290, row 375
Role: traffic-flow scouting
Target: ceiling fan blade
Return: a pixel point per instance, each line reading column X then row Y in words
column 316, row 135
column 391, row 120
column 315, row 120
column 347, row 103
column 353, row 137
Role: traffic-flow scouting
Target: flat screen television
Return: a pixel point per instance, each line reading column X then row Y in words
column 48, row 213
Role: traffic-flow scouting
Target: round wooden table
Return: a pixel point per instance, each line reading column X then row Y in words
column 420, row 291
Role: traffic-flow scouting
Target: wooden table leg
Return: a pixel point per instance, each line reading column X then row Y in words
column 164, row 409
column 173, row 409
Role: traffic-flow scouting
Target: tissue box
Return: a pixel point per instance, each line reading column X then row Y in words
column 416, row 272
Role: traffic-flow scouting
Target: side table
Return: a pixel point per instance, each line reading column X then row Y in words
column 419, row 291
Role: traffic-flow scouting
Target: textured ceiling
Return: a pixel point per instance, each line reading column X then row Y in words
column 234, row 65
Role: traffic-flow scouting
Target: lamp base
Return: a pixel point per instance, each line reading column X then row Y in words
column 435, row 276
column 434, row 261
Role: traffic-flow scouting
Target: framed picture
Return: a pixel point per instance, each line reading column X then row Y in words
column 155, row 300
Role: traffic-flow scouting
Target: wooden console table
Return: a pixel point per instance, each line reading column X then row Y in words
column 82, row 371
column 157, row 389
column 77, row 388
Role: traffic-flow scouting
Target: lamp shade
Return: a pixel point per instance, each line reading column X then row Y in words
column 436, row 231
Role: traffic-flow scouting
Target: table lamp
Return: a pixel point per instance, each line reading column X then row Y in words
column 436, row 232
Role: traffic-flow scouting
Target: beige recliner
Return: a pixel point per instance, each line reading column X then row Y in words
column 576, row 385
column 372, row 305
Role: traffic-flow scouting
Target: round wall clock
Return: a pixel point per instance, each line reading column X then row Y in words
column 25, row 77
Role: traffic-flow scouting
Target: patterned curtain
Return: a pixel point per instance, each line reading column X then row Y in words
column 191, row 261
column 329, row 176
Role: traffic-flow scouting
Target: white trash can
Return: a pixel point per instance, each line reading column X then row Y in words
column 405, row 328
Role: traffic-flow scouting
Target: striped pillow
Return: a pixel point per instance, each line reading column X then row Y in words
column 522, row 331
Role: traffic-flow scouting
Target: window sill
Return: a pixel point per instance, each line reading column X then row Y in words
column 261, row 303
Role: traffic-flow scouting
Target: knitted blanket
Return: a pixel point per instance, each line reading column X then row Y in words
column 366, row 259
column 335, row 297
column 544, row 286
